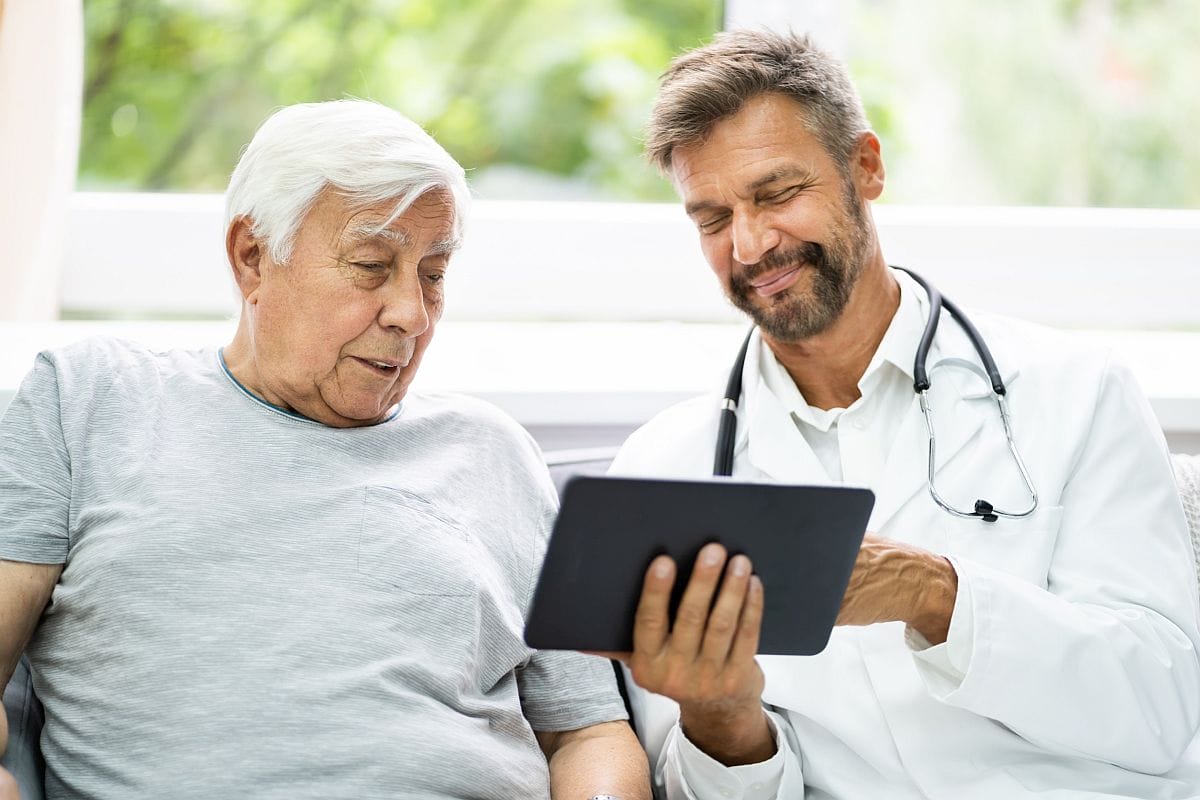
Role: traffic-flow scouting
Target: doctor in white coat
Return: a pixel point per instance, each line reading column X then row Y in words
column 1051, row 655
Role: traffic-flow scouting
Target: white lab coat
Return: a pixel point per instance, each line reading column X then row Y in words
column 1083, row 677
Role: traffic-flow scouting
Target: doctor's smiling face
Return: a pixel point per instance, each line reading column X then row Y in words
column 337, row 333
column 783, row 227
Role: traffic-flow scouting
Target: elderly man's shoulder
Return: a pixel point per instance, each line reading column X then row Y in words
column 467, row 415
column 102, row 361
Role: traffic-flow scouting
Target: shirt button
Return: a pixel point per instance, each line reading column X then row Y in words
column 860, row 424
column 727, row 792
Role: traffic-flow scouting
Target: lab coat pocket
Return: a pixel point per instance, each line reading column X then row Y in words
column 1022, row 547
column 408, row 544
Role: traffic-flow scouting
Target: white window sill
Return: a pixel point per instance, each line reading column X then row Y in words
column 598, row 374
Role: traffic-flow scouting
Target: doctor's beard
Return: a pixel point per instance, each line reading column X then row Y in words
column 797, row 313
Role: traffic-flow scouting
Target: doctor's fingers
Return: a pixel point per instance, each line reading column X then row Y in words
column 652, row 620
column 726, row 620
column 692, row 617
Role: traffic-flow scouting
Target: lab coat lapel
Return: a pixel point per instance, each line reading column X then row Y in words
column 960, row 402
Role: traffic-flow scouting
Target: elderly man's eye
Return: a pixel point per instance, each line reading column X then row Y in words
column 372, row 266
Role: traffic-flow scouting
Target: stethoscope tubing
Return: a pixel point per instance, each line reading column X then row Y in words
column 727, row 426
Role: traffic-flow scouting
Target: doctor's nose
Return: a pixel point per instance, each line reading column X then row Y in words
column 752, row 238
column 404, row 306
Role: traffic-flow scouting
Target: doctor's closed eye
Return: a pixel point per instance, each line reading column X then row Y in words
column 713, row 224
column 783, row 195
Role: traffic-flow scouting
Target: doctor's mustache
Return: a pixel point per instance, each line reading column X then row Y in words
column 806, row 253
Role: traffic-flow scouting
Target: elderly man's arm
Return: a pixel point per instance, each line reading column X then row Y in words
column 24, row 591
column 604, row 759
column 8, row 787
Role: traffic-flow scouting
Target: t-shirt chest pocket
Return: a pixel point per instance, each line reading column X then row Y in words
column 408, row 544
column 1021, row 547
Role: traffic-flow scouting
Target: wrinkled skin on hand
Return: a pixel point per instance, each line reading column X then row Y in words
column 894, row 581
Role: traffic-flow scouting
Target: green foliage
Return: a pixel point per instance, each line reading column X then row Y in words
column 1034, row 102
column 1026, row 102
column 556, row 89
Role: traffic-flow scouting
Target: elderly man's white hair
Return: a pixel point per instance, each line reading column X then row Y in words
column 367, row 152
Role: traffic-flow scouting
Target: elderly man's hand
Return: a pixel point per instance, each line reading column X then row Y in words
column 8, row 787
column 894, row 581
column 705, row 661
column 8, row 784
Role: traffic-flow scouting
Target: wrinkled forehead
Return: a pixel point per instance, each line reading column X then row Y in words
column 430, row 222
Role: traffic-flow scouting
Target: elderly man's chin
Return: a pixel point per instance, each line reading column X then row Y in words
column 358, row 409
column 356, row 401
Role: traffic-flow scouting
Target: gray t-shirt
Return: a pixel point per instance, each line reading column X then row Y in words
column 255, row 605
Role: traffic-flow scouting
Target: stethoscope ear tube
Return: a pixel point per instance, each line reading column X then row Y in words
column 723, row 462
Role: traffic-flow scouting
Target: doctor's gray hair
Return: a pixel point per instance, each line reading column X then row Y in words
column 366, row 152
column 709, row 84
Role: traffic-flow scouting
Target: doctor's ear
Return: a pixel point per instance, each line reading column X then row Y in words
column 866, row 166
column 246, row 254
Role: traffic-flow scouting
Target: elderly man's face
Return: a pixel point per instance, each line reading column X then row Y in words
column 780, row 225
column 338, row 332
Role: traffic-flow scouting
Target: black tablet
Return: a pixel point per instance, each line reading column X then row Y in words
column 802, row 540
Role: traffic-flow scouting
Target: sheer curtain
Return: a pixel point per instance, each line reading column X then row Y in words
column 41, row 90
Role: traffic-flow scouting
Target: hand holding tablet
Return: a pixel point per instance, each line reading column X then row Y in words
column 802, row 541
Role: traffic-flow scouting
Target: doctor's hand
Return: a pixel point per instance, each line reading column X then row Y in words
column 705, row 661
column 894, row 581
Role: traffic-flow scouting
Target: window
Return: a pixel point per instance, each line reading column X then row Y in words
column 1021, row 103
column 537, row 98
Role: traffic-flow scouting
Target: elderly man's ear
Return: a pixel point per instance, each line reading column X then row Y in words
column 245, row 257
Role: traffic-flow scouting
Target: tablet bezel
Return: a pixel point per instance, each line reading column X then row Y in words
column 803, row 541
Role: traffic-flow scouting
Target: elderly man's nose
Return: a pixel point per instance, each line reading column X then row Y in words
column 752, row 238
column 404, row 307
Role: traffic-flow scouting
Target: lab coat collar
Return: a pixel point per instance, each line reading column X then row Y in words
column 960, row 399
column 774, row 444
column 961, row 402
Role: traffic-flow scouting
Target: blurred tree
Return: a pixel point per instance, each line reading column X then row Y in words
column 531, row 95
column 1034, row 102
column 1027, row 102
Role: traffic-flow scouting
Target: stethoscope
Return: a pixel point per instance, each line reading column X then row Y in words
column 723, row 462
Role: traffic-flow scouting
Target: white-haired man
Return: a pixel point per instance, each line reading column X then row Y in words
column 268, row 570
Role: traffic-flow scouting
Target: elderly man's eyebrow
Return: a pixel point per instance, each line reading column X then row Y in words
column 444, row 247
column 363, row 233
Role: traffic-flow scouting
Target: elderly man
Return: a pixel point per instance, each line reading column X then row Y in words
column 269, row 570
column 1022, row 646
